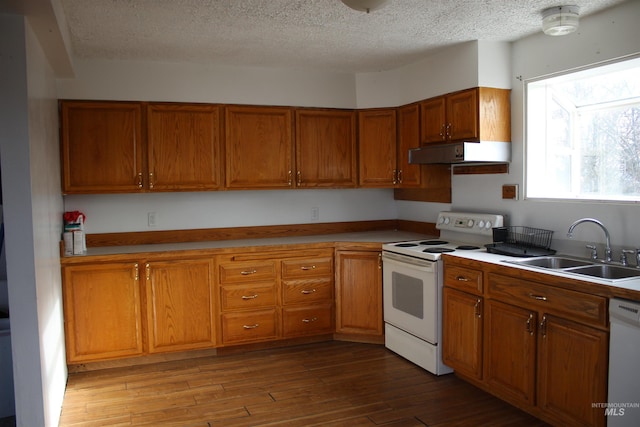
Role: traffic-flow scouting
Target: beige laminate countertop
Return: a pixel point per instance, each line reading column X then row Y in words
column 373, row 237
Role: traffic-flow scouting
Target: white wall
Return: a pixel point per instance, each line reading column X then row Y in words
column 32, row 209
column 610, row 34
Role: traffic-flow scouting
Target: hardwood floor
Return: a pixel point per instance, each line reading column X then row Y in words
column 324, row 384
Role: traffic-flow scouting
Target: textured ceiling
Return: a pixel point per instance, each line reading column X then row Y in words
column 307, row 34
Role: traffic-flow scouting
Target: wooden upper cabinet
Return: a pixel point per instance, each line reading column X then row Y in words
column 325, row 148
column 377, row 148
column 101, row 146
column 259, row 147
column 408, row 175
column 183, row 147
column 469, row 115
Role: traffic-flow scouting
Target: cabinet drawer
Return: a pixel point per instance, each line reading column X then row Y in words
column 308, row 320
column 249, row 326
column 549, row 299
column 247, row 296
column 463, row 278
column 247, row 272
column 310, row 267
column 303, row 291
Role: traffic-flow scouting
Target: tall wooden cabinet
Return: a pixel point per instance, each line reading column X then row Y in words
column 359, row 293
column 408, row 118
column 377, row 148
column 259, row 147
column 326, row 148
column 467, row 115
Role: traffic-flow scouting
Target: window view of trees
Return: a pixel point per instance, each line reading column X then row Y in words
column 583, row 134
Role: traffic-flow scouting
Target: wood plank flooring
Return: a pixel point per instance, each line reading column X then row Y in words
column 323, row 384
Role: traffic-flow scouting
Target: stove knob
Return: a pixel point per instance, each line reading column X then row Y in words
column 446, row 220
column 481, row 224
column 440, row 219
column 488, row 225
column 470, row 223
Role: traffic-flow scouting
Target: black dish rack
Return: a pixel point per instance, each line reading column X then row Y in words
column 521, row 241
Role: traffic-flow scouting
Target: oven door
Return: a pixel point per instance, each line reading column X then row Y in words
column 410, row 295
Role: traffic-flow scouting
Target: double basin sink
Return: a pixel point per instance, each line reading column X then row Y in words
column 582, row 267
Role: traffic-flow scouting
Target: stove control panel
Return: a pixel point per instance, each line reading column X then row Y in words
column 466, row 222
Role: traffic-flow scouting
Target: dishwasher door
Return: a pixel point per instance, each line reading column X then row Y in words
column 623, row 408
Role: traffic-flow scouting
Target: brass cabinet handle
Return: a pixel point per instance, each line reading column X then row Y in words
column 394, row 178
column 140, row 182
column 136, row 271
column 537, row 297
column 248, row 272
column 290, row 180
column 151, row 180
column 461, row 279
column 529, row 328
column 307, row 291
column 255, row 325
column 245, row 297
column 543, row 326
column 448, row 131
column 442, row 131
column 400, row 176
column 313, row 319
column 380, row 261
column 476, row 308
column 147, row 269
column 307, row 267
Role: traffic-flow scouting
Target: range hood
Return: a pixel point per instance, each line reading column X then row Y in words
column 462, row 152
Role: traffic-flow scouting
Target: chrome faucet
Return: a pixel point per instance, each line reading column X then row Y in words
column 601, row 225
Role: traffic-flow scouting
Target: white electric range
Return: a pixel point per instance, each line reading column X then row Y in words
column 412, row 285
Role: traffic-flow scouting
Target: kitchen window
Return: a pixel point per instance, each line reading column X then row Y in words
column 583, row 134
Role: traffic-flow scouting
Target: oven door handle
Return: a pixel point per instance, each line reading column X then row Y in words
column 402, row 260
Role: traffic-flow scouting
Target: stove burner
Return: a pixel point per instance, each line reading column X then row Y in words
column 438, row 250
column 406, row 245
column 433, row 242
column 467, row 247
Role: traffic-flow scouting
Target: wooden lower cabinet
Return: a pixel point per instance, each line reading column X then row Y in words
column 180, row 306
column 307, row 320
column 540, row 347
column 359, row 292
column 250, row 326
column 102, row 311
column 462, row 332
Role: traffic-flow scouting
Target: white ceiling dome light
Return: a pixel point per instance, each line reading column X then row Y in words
column 365, row 5
column 560, row 20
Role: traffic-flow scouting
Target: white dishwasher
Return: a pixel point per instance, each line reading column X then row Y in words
column 623, row 406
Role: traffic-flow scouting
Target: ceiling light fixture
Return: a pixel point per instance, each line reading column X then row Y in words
column 365, row 5
column 560, row 20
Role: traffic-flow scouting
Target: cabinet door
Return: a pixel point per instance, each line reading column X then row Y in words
column 572, row 372
column 433, row 120
column 259, row 147
column 408, row 137
column 377, row 148
column 325, row 148
column 101, row 147
column 102, row 311
column 510, row 351
column 462, row 332
column 359, row 292
column 180, row 305
column 462, row 115
column 183, row 147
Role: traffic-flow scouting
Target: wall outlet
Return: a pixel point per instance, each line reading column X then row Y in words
column 152, row 219
column 315, row 214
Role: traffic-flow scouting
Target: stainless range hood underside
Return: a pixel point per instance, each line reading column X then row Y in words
column 462, row 152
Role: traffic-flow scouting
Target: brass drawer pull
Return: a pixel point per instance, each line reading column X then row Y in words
column 537, row 297
column 251, row 326
column 462, row 279
column 305, row 268
column 307, row 291
column 313, row 319
column 245, row 297
column 248, row 272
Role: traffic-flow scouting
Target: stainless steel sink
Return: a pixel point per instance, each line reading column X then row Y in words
column 606, row 271
column 581, row 267
column 554, row 262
